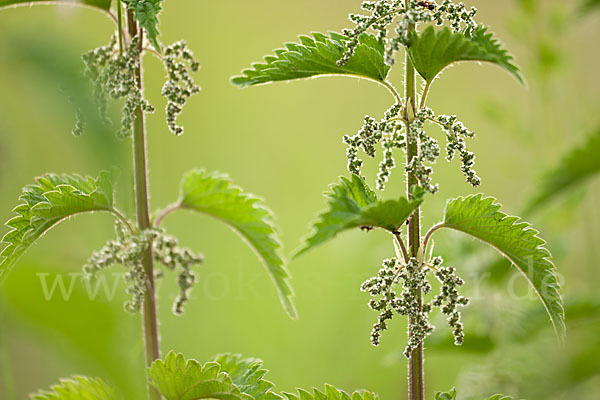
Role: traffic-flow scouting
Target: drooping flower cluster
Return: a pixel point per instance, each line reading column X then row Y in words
column 456, row 133
column 382, row 15
column 166, row 250
column 388, row 131
column 412, row 276
column 429, row 150
column 449, row 300
column 114, row 74
column 180, row 63
column 382, row 286
column 457, row 14
column 128, row 250
column 411, row 12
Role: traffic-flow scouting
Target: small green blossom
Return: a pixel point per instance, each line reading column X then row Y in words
column 179, row 62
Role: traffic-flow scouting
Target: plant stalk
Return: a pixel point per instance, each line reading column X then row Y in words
column 416, row 386
column 150, row 318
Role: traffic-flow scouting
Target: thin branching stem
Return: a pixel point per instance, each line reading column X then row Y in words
column 124, row 220
column 430, row 233
column 400, row 241
column 424, row 95
column 393, row 91
column 164, row 213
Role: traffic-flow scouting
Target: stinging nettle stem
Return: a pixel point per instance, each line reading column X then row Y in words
column 150, row 318
column 416, row 386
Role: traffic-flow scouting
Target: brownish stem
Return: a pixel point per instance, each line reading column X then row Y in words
column 150, row 317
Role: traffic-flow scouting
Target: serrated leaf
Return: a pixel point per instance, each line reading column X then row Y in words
column 516, row 240
column 77, row 388
column 102, row 4
column 576, row 166
column 330, row 393
column 317, row 55
column 353, row 204
column 213, row 194
column 248, row 375
column 180, row 379
column 431, row 51
column 451, row 395
column 52, row 199
column 500, row 397
column 146, row 14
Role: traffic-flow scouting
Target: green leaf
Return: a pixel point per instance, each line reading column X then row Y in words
column 78, row 388
column 353, row 204
column 432, row 51
column 146, row 14
column 576, row 166
column 317, row 55
column 247, row 374
column 213, row 194
column 52, row 199
column 517, row 241
column 589, row 5
column 330, row 393
column 180, row 379
column 102, row 4
column 451, row 395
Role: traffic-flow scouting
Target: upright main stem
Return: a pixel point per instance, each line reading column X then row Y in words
column 143, row 219
column 416, row 387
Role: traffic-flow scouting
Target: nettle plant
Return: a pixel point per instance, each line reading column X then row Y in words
column 432, row 37
column 141, row 244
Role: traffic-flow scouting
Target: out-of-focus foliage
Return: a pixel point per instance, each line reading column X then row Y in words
column 76, row 389
column 102, row 4
column 589, row 5
column 577, row 165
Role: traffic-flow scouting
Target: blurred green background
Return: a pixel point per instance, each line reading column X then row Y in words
column 283, row 142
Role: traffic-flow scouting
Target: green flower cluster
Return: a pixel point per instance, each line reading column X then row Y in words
column 179, row 62
column 114, row 74
column 388, row 131
column 429, row 150
column 128, row 250
column 456, row 133
column 384, row 12
column 412, row 277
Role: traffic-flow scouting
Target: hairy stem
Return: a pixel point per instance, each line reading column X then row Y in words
column 430, row 233
column 124, row 220
column 400, row 242
column 143, row 219
column 416, row 386
column 120, row 26
column 164, row 213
